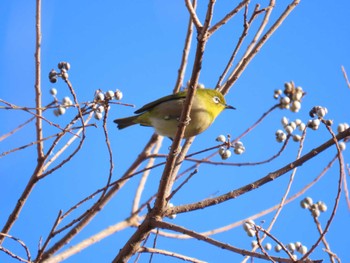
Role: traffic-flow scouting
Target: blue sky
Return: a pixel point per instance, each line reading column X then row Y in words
column 136, row 46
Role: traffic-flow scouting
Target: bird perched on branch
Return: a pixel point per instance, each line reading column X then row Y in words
column 164, row 114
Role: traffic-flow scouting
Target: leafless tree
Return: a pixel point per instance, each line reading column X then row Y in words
column 147, row 219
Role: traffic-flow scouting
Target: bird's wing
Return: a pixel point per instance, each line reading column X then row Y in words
column 152, row 104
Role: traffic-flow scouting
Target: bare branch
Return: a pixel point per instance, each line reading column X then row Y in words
column 346, row 189
column 284, row 197
column 246, row 26
column 169, row 253
column 144, row 177
column 227, row 17
column 218, row 244
column 345, row 76
column 90, row 241
column 19, row 242
column 260, row 214
column 3, row 137
column 271, row 176
column 194, row 17
column 246, row 60
column 335, row 139
column 324, row 241
column 39, row 132
column 98, row 206
column 185, row 53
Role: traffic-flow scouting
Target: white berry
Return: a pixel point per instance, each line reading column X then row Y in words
column 227, row 154
column 221, row 138
column 268, row 246
column 110, row 94
column 278, row 248
column 296, row 138
column 61, row 110
column 99, row 96
column 302, row 250
column 118, row 94
column 284, row 121
column 98, row 115
column 53, row 92
column 67, row 101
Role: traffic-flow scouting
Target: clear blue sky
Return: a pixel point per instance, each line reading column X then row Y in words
column 135, row 46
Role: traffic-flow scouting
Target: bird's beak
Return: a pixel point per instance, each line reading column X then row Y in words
column 229, row 107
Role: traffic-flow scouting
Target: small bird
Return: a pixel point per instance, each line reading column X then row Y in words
column 164, row 114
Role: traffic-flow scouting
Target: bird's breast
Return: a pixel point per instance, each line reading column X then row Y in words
column 165, row 118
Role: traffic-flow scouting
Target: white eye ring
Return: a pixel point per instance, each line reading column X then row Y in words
column 216, row 99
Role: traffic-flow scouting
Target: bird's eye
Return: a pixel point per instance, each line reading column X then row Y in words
column 216, row 99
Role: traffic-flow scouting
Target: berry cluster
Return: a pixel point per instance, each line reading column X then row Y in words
column 315, row 208
column 225, row 151
column 101, row 101
column 289, row 128
column 66, row 103
column 99, row 104
column 342, row 127
column 250, row 229
column 54, row 75
column 292, row 248
column 292, row 98
column 319, row 112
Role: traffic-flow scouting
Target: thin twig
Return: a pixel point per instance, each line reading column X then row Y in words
column 50, row 235
column 346, row 190
column 90, row 241
column 34, row 114
column 194, row 17
column 44, row 139
column 335, row 139
column 185, row 53
column 217, row 243
column 252, row 44
column 227, row 17
column 345, row 76
column 259, row 245
column 19, row 242
column 63, row 149
column 324, row 241
column 204, row 160
column 39, row 128
column 169, row 253
column 154, row 245
column 182, row 184
column 246, row 27
column 3, row 137
column 267, row 233
column 11, row 254
column 140, row 187
column 27, row 145
column 225, row 88
column 110, row 152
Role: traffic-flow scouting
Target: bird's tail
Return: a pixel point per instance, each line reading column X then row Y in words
column 126, row 122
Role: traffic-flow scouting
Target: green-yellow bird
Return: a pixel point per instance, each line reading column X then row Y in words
column 164, row 114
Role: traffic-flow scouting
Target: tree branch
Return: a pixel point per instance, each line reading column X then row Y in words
column 271, row 176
